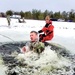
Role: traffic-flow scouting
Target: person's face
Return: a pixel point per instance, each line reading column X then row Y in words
column 47, row 21
column 33, row 36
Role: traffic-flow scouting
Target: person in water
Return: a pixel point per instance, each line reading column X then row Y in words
column 48, row 30
column 34, row 44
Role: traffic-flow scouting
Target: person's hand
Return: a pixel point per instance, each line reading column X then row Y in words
column 40, row 31
column 23, row 49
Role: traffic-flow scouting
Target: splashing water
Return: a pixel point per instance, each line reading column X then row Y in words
column 48, row 62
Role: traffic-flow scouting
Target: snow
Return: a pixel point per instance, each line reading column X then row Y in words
column 64, row 32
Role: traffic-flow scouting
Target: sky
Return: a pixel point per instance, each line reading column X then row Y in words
column 28, row 5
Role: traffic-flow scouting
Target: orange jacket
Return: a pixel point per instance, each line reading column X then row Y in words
column 48, row 30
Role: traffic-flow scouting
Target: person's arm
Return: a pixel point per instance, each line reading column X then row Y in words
column 40, row 31
column 49, row 32
column 44, row 28
column 46, row 25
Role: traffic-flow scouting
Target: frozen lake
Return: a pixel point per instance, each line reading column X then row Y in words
column 64, row 32
column 50, row 61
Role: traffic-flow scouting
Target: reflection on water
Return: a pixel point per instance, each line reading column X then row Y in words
column 55, row 60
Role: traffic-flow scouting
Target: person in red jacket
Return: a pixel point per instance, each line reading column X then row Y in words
column 48, row 30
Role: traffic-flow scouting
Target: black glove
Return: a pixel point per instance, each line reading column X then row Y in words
column 40, row 31
column 40, row 37
column 47, row 25
column 43, row 35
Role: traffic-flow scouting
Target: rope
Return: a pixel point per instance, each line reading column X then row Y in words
column 10, row 39
column 7, row 37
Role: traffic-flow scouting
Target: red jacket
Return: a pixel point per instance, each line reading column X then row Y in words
column 49, row 32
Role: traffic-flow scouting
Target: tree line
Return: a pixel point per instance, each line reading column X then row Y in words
column 38, row 15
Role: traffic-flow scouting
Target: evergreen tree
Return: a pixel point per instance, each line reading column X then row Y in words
column 9, row 12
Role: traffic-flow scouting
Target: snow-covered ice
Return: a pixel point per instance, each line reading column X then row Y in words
column 64, row 32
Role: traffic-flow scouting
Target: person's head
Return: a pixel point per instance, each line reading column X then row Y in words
column 33, row 36
column 47, row 19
